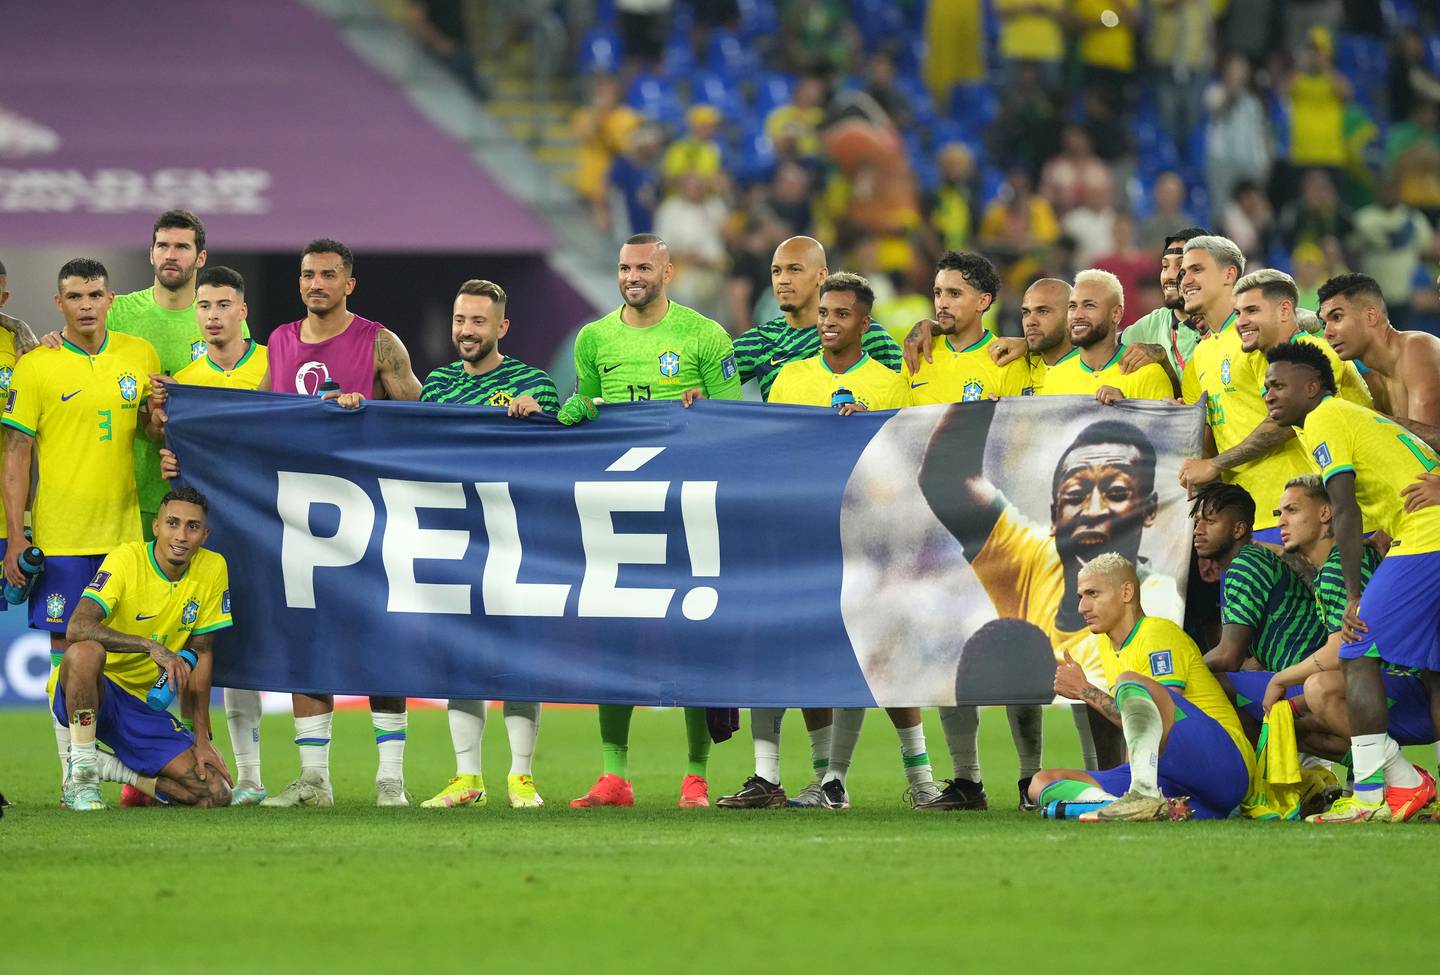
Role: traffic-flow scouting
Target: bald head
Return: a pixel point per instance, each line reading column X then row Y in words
column 796, row 272
column 1042, row 317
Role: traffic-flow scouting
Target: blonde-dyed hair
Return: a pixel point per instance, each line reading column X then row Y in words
column 1109, row 281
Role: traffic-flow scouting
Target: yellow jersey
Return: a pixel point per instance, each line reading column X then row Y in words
column 1233, row 382
column 82, row 410
column 965, row 375
column 810, row 382
column 1072, row 377
column 1160, row 650
column 140, row 600
column 246, row 374
column 1022, row 574
column 1384, row 457
column 7, row 373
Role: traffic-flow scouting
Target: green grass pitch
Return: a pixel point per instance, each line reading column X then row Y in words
column 358, row 889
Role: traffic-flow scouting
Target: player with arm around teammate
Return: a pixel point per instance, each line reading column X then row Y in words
column 147, row 602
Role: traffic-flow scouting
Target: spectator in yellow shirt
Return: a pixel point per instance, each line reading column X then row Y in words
column 697, row 154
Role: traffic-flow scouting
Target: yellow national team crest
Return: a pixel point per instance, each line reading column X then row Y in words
column 499, row 398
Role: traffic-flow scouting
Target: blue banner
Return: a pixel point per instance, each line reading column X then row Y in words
column 725, row 554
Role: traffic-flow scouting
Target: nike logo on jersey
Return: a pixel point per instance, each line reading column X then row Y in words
column 778, row 361
column 610, row 368
column 142, row 616
column 66, row 396
column 918, row 385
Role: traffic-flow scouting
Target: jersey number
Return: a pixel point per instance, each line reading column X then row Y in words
column 106, row 433
column 638, row 393
column 1424, row 456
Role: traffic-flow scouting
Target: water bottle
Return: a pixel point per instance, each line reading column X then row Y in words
column 1062, row 809
column 161, row 694
column 31, row 561
column 327, row 387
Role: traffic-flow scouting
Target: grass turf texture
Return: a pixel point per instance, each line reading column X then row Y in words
column 359, row 889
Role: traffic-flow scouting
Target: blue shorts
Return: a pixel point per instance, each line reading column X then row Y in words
column 1409, row 701
column 1200, row 761
column 1269, row 535
column 57, row 593
column 144, row 740
column 1401, row 607
column 1249, row 687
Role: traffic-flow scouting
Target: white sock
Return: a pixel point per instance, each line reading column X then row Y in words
column 1094, row 794
column 390, row 740
column 84, row 755
column 1081, row 714
column 1027, row 729
column 1398, row 770
column 467, row 729
column 961, row 727
column 114, row 770
column 1368, row 752
column 522, row 725
column 1141, row 722
column 765, row 729
column 62, row 744
column 913, row 754
column 242, row 716
column 820, row 750
column 844, row 736
column 312, row 735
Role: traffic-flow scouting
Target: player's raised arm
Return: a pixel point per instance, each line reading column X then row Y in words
column 952, row 481
column 393, row 369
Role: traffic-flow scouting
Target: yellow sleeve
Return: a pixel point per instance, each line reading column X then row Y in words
column 108, row 586
column 27, row 390
column 215, row 607
column 1190, row 391
column 1014, row 379
column 1149, row 382
column 1351, row 385
column 1332, row 447
column 1005, row 560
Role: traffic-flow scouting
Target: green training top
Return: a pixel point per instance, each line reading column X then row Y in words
column 176, row 337
column 763, row 350
column 510, row 379
column 1260, row 591
column 684, row 350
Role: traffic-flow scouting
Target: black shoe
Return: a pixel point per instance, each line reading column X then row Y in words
column 756, row 793
column 835, row 795
column 958, row 794
column 1026, row 803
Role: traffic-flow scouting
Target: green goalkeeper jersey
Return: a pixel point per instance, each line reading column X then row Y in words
column 684, row 350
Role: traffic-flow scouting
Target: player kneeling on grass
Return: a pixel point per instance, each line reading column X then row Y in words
column 149, row 601
column 1188, row 755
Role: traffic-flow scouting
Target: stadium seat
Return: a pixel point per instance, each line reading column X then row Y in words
column 678, row 59
column 652, row 97
column 1432, row 52
column 973, row 105
column 729, row 56
column 600, row 52
column 758, row 18
column 771, row 91
column 713, row 89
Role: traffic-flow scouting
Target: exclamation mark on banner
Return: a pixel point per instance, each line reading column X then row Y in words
column 702, row 538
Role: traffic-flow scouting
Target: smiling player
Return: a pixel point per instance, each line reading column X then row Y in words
column 651, row 348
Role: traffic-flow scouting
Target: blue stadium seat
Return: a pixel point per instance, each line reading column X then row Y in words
column 713, row 89
column 730, row 56
column 758, row 18
column 757, row 158
column 879, row 21
column 678, row 60
column 1432, row 51
column 1400, row 14
column 973, row 105
column 654, row 98
column 771, row 91
column 600, row 52
column 992, row 180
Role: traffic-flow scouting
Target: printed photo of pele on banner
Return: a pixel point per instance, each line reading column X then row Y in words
column 964, row 528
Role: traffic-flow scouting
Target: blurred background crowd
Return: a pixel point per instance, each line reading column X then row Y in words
column 1052, row 135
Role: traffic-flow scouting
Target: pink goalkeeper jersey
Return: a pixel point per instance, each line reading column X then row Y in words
column 303, row 367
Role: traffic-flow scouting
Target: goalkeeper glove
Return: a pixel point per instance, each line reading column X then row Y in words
column 577, row 409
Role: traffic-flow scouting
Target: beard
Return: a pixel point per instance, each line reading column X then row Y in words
column 479, row 356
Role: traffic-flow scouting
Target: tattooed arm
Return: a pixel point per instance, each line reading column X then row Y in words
column 393, row 369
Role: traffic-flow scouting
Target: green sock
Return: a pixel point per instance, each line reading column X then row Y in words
column 615, row 738
column 697, row 741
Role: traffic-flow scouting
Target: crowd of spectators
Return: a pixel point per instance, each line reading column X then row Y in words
column 1051, row 134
